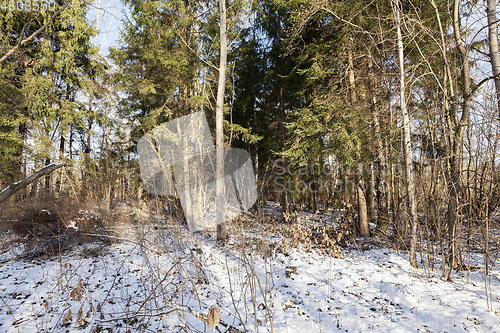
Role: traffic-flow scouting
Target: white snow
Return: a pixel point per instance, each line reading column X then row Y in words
column 176, row 276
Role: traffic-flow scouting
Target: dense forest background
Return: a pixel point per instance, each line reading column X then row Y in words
column 388, row 110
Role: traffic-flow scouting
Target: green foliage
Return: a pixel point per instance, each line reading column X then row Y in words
column 157, row 68
column 39, row 82
column 325, row 128
column 323, row 123
column 168, row 61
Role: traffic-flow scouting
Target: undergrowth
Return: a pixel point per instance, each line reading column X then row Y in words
column 48, row 225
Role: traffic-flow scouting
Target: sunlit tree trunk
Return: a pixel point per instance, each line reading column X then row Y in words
column 370, row 195
column 407, row 146
column 59, row 182
column 493, row 45
column 364, row 227
column 459, row 126
column 221, row 86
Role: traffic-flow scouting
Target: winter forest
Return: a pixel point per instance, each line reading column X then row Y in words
column 367, row 133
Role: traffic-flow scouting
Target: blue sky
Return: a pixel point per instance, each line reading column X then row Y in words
column 109, row 13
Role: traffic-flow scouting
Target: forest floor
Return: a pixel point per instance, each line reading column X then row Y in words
column 158, row 277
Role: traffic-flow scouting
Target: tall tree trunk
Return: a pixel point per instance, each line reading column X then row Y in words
column 381, row 177
column 364, row 227
column 221, row 87
column 407, row 146
column 21, row 172
column 380, row 183
column 458, row 133
column 493, row 45
column 71, row 142
column 451, row 124
column 284, row 194
column 59, row 180
column 86, row 190
column 370, row 196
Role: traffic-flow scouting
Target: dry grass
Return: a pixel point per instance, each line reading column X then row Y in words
column 48, row 225
column 326, row 238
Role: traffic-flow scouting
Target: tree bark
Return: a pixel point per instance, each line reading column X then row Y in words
column 370, row 196
column 59, row 181
column 382, row 191
column 457, row 143
column 407, row 146
column 493, row 45
column 47, row 178
column 380, row 183
column 221, row 87
column 284, row 194
column 364, row 227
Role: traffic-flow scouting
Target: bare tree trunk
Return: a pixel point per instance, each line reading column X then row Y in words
column 493, row 45
column 370, row 196
column 451, row 124
column 364, row 227
column 352, row 88
column 47, row 178
column 380, row 180
column 458, row 133
column 87, row 189
column 70, row 142
column 284, row 194
column 59, row 181
column 21, row 171
column 407, row 146
column 221, row 86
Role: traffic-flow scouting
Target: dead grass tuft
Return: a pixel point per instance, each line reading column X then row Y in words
column 327, row 239
column 48, row 225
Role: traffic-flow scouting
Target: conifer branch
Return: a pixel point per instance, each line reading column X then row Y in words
column 24, row 41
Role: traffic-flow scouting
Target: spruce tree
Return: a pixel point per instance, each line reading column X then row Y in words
column 41, row 79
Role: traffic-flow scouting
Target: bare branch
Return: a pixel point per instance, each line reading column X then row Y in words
column 483, row 81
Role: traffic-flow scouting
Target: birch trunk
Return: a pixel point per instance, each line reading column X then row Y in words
column 219, row 118
column 493, row 45
column 407, row 146
column 457, row 142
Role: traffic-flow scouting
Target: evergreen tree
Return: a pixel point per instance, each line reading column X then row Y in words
column 41, row 79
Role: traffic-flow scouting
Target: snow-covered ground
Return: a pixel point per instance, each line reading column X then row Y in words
column 164, row 279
